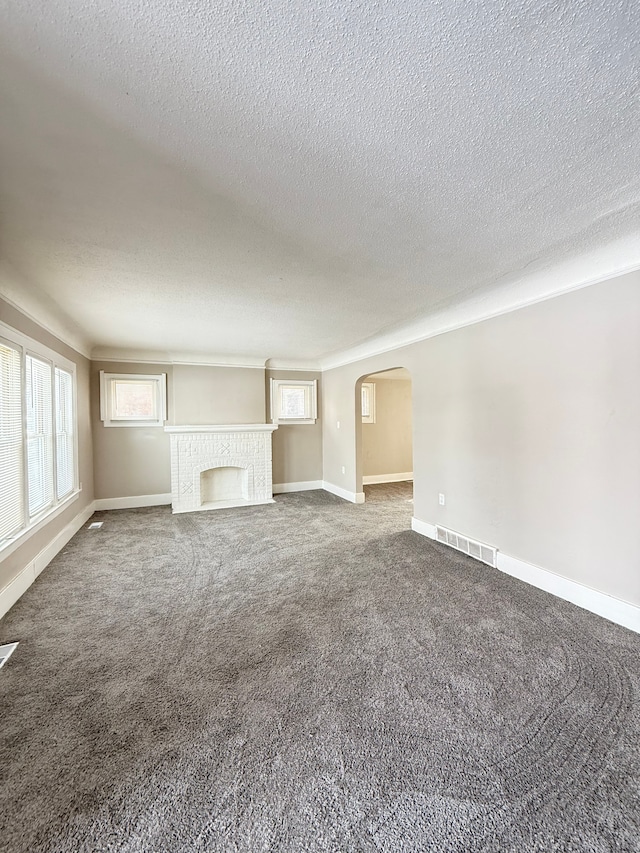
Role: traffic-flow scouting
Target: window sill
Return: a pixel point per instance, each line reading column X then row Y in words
column 38, row 523
column 292, row 422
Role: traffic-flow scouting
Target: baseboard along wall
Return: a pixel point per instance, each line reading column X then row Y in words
column 304, row 486
column 614, row 609
column 21, row 583
column 353, row 497
column 133, row 502
column 374, row 479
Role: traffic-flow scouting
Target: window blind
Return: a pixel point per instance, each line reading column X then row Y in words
column 39, row 434
column 65, row 466
column 11, row 443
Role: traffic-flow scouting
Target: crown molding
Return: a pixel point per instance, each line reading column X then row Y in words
column 21, row 297
column 159, row 357
column 508, row 295
column 300, row 366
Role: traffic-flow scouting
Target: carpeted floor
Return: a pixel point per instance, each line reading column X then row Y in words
column 309, row 676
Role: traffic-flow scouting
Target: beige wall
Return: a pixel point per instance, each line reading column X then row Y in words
column 216, row 395
column 134, row 461
column 12, row 565
column 529, row 424
column 386, row 444
column 129, row 461
column 297, row 448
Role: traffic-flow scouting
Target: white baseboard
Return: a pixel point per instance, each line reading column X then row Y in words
column 304, row 486
column 374, row 479
column 614, row 609
column 424, row 528
column 353, row 497
column 133, row 502
column 21, row 583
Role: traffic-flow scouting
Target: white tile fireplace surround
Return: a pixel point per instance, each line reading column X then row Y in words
column 219, row 466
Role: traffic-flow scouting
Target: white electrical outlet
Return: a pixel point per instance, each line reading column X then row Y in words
column 344, row 470
column 337, row 424
column 441, row 499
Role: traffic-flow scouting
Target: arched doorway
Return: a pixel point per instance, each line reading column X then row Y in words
column 384, row 435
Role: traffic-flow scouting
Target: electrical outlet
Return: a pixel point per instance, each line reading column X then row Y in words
column 337, row 424
column 344, row 470
column 441, row 500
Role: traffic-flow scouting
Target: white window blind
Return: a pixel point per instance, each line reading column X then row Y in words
column 65, row 457
column 11, row 443
column 39, row 435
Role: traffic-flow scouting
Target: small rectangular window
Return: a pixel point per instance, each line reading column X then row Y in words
column 133, row 399
column 368, row 402
column 294, row 402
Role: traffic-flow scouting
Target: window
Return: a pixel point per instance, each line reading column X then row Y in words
column 39, row 393
column 133, row 399
column 368, row 402
column 294, row 402
column 38, row 458
column 11, row 442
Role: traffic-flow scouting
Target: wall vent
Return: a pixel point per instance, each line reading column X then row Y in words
column 477, row 550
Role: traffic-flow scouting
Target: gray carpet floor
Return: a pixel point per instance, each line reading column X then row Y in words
column 309, row 676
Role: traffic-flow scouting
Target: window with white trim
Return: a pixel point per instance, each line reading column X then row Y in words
column 38, row 435
column 133, row 399
column 294, row 402
column 368, row 393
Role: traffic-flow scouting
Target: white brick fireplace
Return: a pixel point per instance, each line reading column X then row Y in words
column 219, row 466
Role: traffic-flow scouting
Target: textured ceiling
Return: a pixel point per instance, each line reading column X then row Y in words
column 290, row 179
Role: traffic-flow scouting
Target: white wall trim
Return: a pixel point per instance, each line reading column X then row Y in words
column 424, row 528
column 134, row 356
column 60, row 325
column 304, row 486
column 133, row 502
column 21, row 583
column 353, row 497
column 510, row 294
column 373, row 479
column 298, row 366
column 614, row 609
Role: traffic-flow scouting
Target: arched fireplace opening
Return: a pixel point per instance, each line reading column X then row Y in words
column 228, row 483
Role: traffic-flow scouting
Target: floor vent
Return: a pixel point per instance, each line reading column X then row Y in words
column 6, row 651
column 96, row 525
column 477, row 550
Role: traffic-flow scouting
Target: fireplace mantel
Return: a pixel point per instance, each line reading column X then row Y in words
column 216, row 466
column 198, row 428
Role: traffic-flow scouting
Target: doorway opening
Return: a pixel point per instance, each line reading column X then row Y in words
column 384, row 436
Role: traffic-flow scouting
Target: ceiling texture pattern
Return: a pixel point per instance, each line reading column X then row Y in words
column 293, row 179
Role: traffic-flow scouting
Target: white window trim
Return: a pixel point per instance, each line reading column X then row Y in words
column 29, row 346
column 161, row 399
column 371, row 417
column 313, row 401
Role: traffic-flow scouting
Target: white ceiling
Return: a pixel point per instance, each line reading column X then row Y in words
column 291, row 179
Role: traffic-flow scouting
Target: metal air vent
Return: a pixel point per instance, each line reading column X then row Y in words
column 478, row 550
